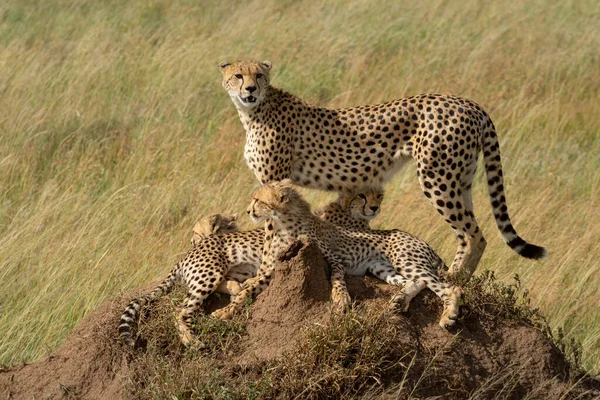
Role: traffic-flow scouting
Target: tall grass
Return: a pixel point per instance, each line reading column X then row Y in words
column 115, row 135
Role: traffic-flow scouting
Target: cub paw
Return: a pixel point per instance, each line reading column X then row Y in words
column 234, row 287
column 226, row 312
column 399, row 302
column 185, row 335
column 248, row 283
column 447, row 321
column 341, row 300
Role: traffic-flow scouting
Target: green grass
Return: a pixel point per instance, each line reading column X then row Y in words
column 115, row 135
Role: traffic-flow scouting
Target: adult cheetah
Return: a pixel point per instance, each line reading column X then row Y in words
column 393, row 256
column 362, row 147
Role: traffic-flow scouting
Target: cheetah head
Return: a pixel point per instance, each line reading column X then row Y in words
column 364, row 205
column 215, row 224
column 274, row 199
column 246, row 81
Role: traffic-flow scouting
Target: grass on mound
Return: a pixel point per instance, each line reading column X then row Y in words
column 358, row 355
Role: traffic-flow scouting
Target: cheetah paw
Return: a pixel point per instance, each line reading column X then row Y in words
column 225, row 313
column 186, row 337
column 450, row 314
column 399, row 302
column 248, row 283
column 341, row 301
column 447, row 321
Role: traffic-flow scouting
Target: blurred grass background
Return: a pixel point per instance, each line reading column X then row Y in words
column 115, row 135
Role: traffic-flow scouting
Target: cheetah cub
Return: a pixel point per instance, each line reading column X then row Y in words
column 211, row 225
column 395, row 257
column 221, row 258
column 353, row 210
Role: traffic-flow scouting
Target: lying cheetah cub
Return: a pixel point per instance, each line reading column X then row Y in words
column 354, row 251
column 353, row 211
column 220, row 259
column 214, row 224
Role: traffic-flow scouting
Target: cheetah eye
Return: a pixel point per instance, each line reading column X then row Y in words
column 379, row 196
column 258, row 76
column 239, row 76
column 362, row 196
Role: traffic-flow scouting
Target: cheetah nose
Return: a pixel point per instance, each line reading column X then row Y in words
column 250, row 88
column 374, row 208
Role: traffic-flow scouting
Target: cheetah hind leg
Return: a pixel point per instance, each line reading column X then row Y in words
column 183, row 321
column 450, row 296
column 409, row 288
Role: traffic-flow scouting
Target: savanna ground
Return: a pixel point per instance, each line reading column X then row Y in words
column 115, row 135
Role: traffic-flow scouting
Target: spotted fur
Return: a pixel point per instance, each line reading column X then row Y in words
column 354, row 149
column 394, row 256
column 353, row 210
column 222, row 263
column 218, row 262
column 214, row 224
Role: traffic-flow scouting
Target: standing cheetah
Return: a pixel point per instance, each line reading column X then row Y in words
column 362, row 147
column 393, row 256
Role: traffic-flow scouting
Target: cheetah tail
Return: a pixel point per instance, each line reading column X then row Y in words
column 130, row 316
column 493, row 168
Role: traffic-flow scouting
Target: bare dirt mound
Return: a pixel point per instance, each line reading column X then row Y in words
column 87, row 365
column 276, row 319
column 288, row 345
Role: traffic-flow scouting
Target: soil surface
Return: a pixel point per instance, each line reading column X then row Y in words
column 474, row 356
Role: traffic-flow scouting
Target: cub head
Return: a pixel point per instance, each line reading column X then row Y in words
column 215, row 224
column 246, row 81
column 271, row 200
column 364, row 205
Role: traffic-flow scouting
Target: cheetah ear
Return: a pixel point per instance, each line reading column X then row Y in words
column 266, row 65
column 345, row 198
column 223, row 65
column 287, row 182
column 215, row 223
column 285, row 194
column 233, row 217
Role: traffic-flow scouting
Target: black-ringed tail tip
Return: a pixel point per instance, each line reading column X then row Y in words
column 527, row 250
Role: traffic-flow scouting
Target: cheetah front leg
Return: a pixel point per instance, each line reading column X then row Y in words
column 339, row 292
column 252, row 288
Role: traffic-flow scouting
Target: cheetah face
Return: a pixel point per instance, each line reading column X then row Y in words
column 259, row 211
column 365, row 205
column 215, row 224
column 246, row 81
column 272, row 199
